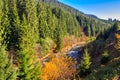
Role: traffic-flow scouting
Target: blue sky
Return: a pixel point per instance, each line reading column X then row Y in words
column 102, row 8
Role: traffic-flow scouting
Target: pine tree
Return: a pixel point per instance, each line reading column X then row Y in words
column 5, row 21
column 54, row 24
column 85, row 64
column 7, row 70
column 13, row 24
column 58, row 37
column 89, row 31
column 42, row 22
column 76, row 27
column 1, row 6
column 50, row 22
column 92, row 26
column 29, row 68
column 28, row 8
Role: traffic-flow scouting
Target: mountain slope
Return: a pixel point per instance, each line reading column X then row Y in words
column 88, row 22
column 72, row 10
column 64, row 6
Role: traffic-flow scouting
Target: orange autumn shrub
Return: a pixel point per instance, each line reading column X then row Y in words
column 117, row 36
column 59, row 68
column 117, row 42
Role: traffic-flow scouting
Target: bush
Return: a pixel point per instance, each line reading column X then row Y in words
column 59, row 68
column 105, row 57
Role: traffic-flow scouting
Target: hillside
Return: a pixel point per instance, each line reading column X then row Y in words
column 105, row 55
column 66, row 7
column 73, row 10
column 48, row 40
column 86, row 21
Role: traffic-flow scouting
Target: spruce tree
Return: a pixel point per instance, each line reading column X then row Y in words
column 42, row 22
column 58, row 37
column 5, row 22
column 1, row 6
column 7, row 70
column 85, row 64
column 92, row 27
column 89, row 31
column 50, row 22
column 29, row 68
column 13, row 27
column 28, row 8
column 76, row 27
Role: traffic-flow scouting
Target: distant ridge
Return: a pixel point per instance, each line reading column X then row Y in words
column 75, row 11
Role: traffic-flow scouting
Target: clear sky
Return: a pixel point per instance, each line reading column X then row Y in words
column 101, row 8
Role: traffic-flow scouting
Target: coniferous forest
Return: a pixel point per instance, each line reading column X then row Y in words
column 38, row 36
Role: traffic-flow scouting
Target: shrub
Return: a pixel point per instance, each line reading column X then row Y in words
column 59, row 68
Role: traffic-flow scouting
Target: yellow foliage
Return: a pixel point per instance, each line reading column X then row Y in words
column 116, row 78
column 59, row 68
column 117, row 36
column 117, row 43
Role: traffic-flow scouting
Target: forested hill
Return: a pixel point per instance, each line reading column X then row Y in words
column 91, row 24
column 51, row 21
column 73, row 10
column 66, row 7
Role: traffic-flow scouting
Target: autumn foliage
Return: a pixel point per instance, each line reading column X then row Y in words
column 117, row 36
column 59, row 68
column 117, row 43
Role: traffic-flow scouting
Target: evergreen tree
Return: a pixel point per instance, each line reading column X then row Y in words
column 1, row 6
column 42, row 22
column 92, row 27
column 54, row 24
column 85, row 64
column 60, row 30
column 29, row 68
column 28, row 8
column 49, row 22
column 13, row 27
column 58, row 37
column 7, row 70
column 70, row 24
column 89, row 31
column 5, row 22
column 62, row 22
column 76, row 27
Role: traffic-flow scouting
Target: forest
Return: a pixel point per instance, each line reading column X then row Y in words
column 36, row 37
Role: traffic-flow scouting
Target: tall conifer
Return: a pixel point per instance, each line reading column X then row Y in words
column 29, row 68
column 7, row 70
